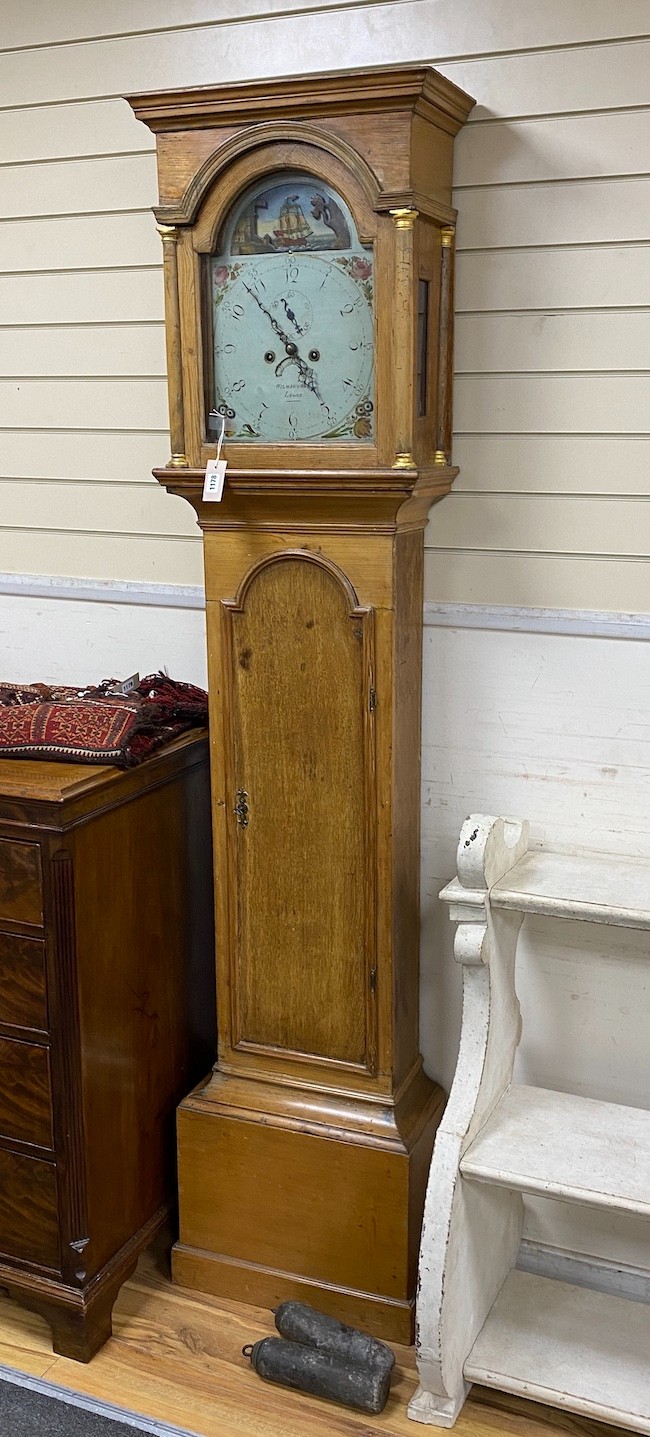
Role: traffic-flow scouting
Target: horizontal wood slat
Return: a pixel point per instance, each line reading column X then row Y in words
column 579, row 771
column 109, row 556
column 606, row 339
column 120, row 350
column 600, row 76
column 597, row 888
column 570, row 147
column 549, row 523
column 39, row 27
column 96, row 508
column 594, row 212
column 567, row 1345
column 607, row 404
column 80, row 404
column 551, row 463
column 90, row 298
column 588, row 277
column 70, row 455
column 79, row 242
column 96, row 185
column 536, row 580
column 276, row 45
column 90, row 127
column 175, row 57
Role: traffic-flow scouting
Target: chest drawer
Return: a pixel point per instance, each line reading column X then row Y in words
column 28, row 1210
column 23, row 1001
column 21, row 886
column 25, row 1096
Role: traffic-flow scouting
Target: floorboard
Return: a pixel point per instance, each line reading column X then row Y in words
column 176, row 1356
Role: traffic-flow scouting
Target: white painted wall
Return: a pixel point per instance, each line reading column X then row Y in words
column 552, row 415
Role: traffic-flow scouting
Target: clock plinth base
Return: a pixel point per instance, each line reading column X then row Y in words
column 237, row 1281
column 325, row 1206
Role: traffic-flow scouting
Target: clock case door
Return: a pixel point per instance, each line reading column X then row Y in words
column 301, row 806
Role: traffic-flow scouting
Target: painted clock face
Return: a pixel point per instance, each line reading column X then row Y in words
column 293, row 328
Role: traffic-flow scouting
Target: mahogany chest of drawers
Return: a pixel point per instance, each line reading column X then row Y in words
column 106, row 1019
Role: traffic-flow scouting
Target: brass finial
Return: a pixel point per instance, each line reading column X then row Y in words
column 440, row 457
column 403, row 461
column 447, row 235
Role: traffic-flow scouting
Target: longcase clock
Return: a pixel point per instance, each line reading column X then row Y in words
column 308, row 243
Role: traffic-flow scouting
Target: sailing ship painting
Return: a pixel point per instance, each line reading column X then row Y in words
column 293, row 225
column 289, row 217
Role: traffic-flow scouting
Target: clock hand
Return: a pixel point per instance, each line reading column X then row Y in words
column 307, row 375
column 287, row 342
column 290, row 315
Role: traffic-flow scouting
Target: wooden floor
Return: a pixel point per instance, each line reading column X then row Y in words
column 176, row 1356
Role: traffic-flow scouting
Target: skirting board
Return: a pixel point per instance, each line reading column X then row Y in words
column 595, row 1272
column 578, row 622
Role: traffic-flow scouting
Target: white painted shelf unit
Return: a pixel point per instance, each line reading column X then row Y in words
column 479, row 1319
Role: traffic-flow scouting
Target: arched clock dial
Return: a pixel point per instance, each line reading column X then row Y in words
column 293, row 327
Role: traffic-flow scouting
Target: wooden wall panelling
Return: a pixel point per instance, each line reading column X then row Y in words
column 174, row 58
column 539, row 165
column 42, row 350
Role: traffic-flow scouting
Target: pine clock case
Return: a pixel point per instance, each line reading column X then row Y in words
column 302, row 1163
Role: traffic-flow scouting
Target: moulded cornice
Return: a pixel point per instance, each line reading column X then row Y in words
column 418, row 88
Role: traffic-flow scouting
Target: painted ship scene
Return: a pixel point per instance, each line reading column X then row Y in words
column 288, row 217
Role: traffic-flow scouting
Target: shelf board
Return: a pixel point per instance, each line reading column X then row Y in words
column 595, row 887
column 561, row 1146
column 569, row 1346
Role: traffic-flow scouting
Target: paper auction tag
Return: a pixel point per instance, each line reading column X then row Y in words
column 126, row 686
column 215, row 478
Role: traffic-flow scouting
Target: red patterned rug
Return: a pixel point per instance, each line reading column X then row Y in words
column 94, row 725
